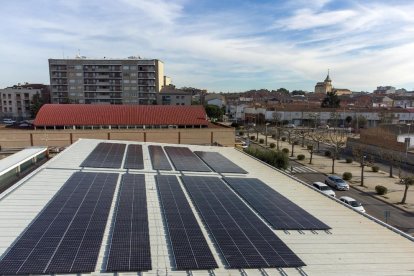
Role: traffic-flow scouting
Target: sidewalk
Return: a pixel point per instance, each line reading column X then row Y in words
column 371, row 179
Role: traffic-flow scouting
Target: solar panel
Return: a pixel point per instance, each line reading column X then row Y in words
column 189, row 246
column 134, row 158
column 185, row 160
column 130, row 244
column 244, row 240
column 67, row 235
column 105, row 155
column 218, row 162
column 279, row 211
column 158, row 158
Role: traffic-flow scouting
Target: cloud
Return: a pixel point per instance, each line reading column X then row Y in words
column 225, row 48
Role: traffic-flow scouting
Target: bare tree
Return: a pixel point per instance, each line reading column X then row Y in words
column 361, row 157
column 310, row 148
column 302, row 134
column 294, row 143
column 407, row 181
column 336, row 142
column 390, row 157
column 318, row 136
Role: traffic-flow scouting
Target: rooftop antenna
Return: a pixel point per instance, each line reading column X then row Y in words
column 78, row 55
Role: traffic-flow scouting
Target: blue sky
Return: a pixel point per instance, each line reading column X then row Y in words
column 225, row 45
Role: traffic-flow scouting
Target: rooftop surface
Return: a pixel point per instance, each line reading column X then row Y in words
column 18, row 158
column 355, row 244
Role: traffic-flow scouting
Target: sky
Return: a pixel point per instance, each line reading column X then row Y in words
column 219, row 45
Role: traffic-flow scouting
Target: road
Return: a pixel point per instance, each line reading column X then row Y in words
column 373, row 206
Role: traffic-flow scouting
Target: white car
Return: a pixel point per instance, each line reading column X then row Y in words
column 337, row 182
column 8, row 121
column 324, row 188
column 353, row 203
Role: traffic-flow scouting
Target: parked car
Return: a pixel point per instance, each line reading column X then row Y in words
column 291, row 126
column 337, row 182
column 353, row 203
column 324, row 188
column 8, row 121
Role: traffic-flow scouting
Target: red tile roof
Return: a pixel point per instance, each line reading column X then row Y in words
column 85, row 114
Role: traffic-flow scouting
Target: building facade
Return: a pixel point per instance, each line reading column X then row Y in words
column 325, row 86
column 169, row 95
column 15, row 102
column 106, row 81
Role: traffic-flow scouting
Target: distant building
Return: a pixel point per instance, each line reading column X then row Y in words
column 384, row 90
column 325, row 86
column 106, row 81
column 215, row 99
column 342, row 91
column 169, row 95
column 15, row 101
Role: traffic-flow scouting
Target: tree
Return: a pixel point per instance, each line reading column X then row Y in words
column 336, row 141
column 407, row 181
column 331, row 100
column 318, row 136
column 359, row 155
column 360, row 122
column 294, row 143
column 36, row 104
column 348, row 120
column 214, row 112
column 310, row 148
column 298, row 92
column 283, row 90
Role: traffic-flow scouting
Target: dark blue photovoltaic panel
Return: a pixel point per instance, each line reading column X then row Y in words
column 244, row 240
column 189, row 246
column 218, row 162
column 158, row 158
column 67, row 235
column 279, row 211
column 184, row 159
column 134, row 158
column 105, row 155
column 130, row 245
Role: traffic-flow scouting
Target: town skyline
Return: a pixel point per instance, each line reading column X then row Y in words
column 221, row 47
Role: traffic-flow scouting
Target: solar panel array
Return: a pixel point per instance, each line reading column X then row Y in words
column 130, row 244
column 66, row 236
column 244, row 240
column 219, row 163
column 105, row 155
column 279, row 211
column 189, row 246
column 134, row 158
column 158, row 158
column 185, row 160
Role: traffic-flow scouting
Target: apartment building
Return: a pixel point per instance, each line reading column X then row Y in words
column 106, row 81
column 15, row 101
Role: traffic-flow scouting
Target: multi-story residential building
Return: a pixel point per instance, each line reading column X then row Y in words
column 384, row 90
column 169, row 95
column 15, row 101
column 106, row 81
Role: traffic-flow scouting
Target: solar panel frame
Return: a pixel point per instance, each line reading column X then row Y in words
column 190, row 248
column 131, row 220
column 244, row 240
column 134, row 158
column 184, row 159
column 159, row 159
column 105, row 155
column 60, row 226
column 219, row 163
column 275, row 208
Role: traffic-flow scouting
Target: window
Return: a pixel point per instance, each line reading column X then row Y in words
column 79, row 74
column 133, row 74
column 125, row 67
column 78, row 67
column 133, row 81
column 133, row 67
column 126, row 81
column 71, row 81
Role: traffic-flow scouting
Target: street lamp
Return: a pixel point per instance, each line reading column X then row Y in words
column 266, row 133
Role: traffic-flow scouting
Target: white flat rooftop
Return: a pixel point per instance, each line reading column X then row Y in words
column 14, row 160
column 356, row 244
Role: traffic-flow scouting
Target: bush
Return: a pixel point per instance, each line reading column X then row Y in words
column 261, row 140
column 277, row 159
column 328, row 153
column 301, row 157
column 274, row 136
column 285, row 150
column 252, row 137
column 241, row 133
column 283, row 139
column 381, row 190
column 272, row 145
column 375, row 168
column 348, row 160
column 347, row 176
